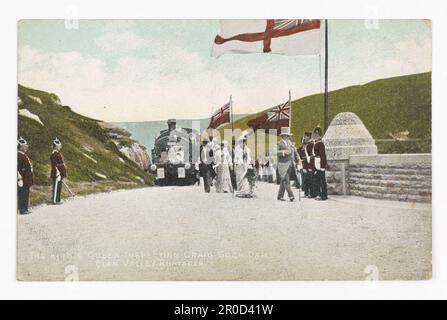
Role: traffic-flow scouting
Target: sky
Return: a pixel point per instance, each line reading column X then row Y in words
column 144, row 70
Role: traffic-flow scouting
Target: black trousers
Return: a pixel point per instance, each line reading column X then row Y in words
column 312, row 183
column 208, row 176
column 321, row 184
column 307, row 177
column 57, row 189
column 23, row 199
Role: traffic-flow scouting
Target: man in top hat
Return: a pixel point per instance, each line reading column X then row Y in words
column 58, row 171
column 286, row 156
column 319, row 154
column 24, row 176
column 305, row 163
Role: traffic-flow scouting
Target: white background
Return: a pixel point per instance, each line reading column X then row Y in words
column 45, row 9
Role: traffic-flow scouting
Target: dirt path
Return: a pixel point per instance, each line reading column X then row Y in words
column 181, row 233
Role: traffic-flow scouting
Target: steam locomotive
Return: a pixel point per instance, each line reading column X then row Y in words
column 175, row 156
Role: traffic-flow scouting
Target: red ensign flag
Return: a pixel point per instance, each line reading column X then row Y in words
column 220, row 117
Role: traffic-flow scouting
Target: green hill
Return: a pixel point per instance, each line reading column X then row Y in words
column 396, row 111
column 93, row 159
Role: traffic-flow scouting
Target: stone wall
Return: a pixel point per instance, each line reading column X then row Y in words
column 355, row 168
column 403, row 177
column 336, row 177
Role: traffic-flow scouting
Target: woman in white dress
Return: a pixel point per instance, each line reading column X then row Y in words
column 244, row 169
column 223, row 164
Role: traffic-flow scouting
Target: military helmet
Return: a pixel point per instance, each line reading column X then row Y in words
column 57, row 143
column 21, row 142
column 318, row 131
column 306, row 137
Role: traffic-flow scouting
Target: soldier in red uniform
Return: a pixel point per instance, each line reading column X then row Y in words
column 320, row 161
column 58, row 171
column 24, row 176
column 306, row 175
column 312, row 182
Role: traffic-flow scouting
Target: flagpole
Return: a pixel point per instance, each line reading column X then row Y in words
column 326, row 107
column 232, row 136
column 231, row 112
column 290, row 115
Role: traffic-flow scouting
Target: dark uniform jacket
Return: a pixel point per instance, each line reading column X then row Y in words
column 311, row 162
column 25, row 168
column 303, row 158
column 57, row 162
column 320, row 152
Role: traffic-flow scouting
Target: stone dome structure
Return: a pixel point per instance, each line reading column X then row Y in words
column 347, row 135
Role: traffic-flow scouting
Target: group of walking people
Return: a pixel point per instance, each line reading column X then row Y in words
column 25, row 174
column 228, row 172
column 238, row 172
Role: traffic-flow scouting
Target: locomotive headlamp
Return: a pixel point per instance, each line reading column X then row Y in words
column 187, row 166
column 153, row 167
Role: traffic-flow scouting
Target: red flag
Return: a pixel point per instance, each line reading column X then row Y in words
column 274, row 118
column 220, row 117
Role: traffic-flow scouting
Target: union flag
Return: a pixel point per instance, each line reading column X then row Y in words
column 274, row 118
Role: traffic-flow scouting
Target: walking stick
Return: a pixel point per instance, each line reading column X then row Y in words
column 72, row 194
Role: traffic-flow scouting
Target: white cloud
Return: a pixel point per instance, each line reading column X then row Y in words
column 180, row 83
column 176, row 84
column 368, row 63
column 119, row 41
column 68, row 74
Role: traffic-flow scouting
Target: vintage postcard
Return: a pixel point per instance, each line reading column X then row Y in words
column 278, row 149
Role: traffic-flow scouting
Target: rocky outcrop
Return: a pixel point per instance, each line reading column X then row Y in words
column 137, row 153
column 128, row 147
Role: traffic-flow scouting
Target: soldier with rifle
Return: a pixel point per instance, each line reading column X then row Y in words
column 58, row 171
column 24, row 176
column 304, row 168
column 319, row 154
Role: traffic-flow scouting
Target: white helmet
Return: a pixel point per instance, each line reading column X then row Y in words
column 21, row 143
column 57, row 143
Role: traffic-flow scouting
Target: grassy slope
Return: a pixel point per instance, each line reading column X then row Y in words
column 385, row 106
column 75, row 131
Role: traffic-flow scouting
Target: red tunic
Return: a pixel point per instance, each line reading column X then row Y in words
column 25, row 168
column 309, row 149
column 57, row 162
column 303, row 158
column 320, row 152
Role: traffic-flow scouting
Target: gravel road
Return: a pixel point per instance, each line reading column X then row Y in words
column 181, row 233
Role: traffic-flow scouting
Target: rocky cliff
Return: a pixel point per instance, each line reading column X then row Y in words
column 93, row 152
column 130, row 148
